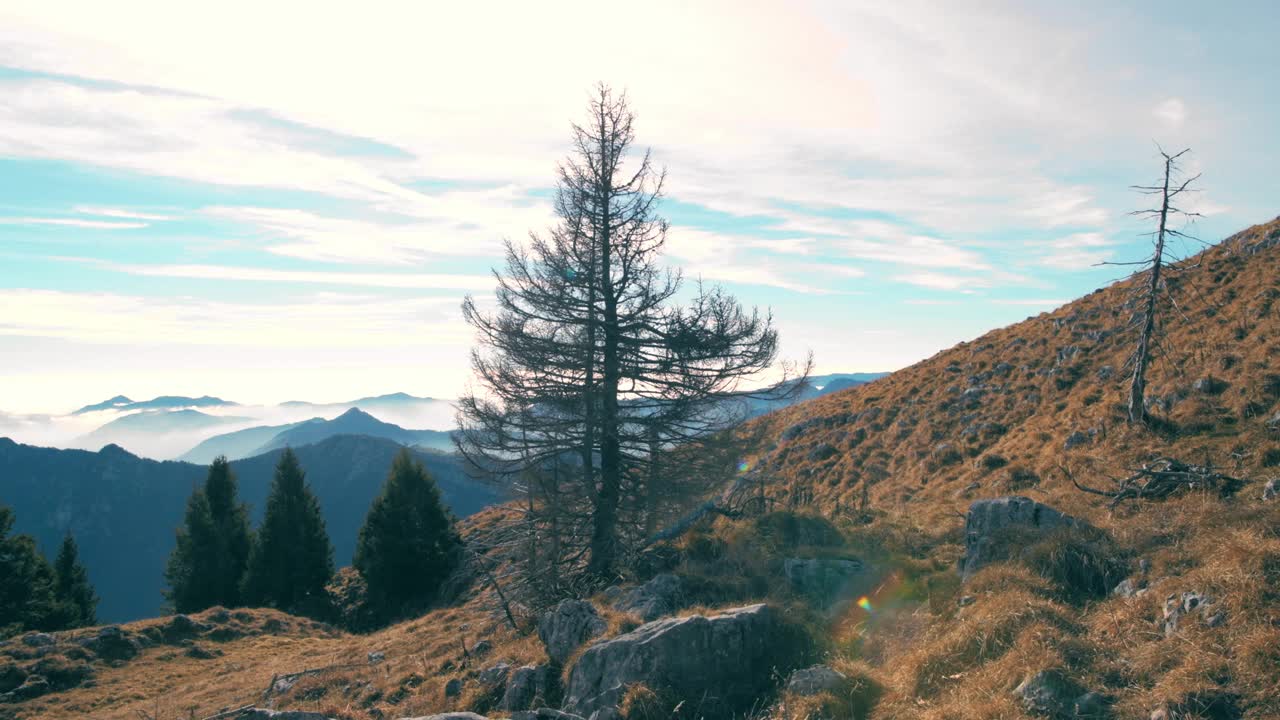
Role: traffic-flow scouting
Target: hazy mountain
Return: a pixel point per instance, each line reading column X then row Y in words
column 123, row 509
column 238, row 444
column 814, row 386
column 156, row 433
column 120, row 403
column 355, row 422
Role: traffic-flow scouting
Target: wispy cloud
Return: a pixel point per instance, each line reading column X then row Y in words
column 415, row 281
column 73, row 222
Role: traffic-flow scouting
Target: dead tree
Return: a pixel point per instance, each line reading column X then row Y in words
column 1160, row 478
column 1152, row 288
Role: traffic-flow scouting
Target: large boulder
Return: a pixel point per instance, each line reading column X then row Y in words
column 989, row 522
column 565, row 627
column 526, row 688
column 727, row 659
column 450, row 716
column 826, row 581
column 662, row 595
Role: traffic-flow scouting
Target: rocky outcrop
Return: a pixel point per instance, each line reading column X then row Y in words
column 526, row 688
column 662, row 595
column 265, row 714
column 815, row 680
column 1051, row 694
column 112, row 643
column 826, row 581
column 728, row 659
column 990, row 521
column 565, row 627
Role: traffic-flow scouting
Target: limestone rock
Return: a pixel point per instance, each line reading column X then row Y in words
column 816, row 679
column 825, row 581
column 662, row 595
column 265, row 714
column 526, row 688
column 565, row 627
column 1271, row 490
column 988, row 518
column 728, row 658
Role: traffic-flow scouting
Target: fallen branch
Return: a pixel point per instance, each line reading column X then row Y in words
column 683, row 525
column 1162, row 478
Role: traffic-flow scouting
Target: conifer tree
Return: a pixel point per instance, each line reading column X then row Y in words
column 408, row 542
column 27, row 600
column 72, row 588
column 208, row 562
column 230, row 519
column 291, row 558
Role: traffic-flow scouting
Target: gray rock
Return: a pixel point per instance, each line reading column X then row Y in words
column 1050, row 694
column 34, row 686
column 988, row 519
column 453, row 688
column 662, row 595
column 265, row 714
column 1128, row 588
column 526, row 688
column 200, row 652
column 1187, row 604
column 816, row 679
column 482, row 648
column 181, row 627
column 825, row 581
column 565, row 627
column 1090, row 705
column 1076, row 439
column 1210, row 385
column 377, row 657
column 1271, row 490
column 37, row 639
column 544, row 714
column 727, row 659
column 494, row 676
column 112, row 643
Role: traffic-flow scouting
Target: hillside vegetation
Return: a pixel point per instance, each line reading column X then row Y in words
column 1153, row 609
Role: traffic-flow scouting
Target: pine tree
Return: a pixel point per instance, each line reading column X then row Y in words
column 208, row 562
column 72, row 588
column 291, row 558
column 189, row 572
column 230, row 519
column 27, row 600
column 408, row 543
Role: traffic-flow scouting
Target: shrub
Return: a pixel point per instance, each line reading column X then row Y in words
column 992, row 461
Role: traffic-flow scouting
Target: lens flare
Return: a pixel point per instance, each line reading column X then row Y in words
column 864, row 602
column 745, row 466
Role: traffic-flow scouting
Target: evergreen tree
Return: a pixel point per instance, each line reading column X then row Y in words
column 408, row 542
column 27, row 600
column 72, row 588
column 191, row 581
column 230, row 519
column 291, row 559
column 208, row 562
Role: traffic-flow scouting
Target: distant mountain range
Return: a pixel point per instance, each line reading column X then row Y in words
column 814, row 386
column 120, row 403
column 123, row 509
column 258, row 440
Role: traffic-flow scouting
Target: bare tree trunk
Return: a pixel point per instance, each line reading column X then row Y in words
column 1142, row 356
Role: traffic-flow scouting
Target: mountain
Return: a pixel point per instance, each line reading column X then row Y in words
column 356, row 422
column 123, row 509
column 156, row 433
column 1008, row 411
column 814, row 386
column 238, row 444
column 121, row 403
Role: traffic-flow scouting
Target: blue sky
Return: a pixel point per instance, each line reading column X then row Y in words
column 267, row 203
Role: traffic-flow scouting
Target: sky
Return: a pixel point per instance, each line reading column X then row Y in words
column 289, row 200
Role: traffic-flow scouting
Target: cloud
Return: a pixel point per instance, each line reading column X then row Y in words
column 120, row 213
column 321, row 321
column 1172, row 113
column 74, row 222
column 942, row 281
column 415, row 281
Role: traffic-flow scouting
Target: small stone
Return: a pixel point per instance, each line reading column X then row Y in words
column 376, row 657
column 1217, row 619
column 1127, row 588
column 967, row 600
column 482, row 648
column 1271, row 490
column 1049, row 693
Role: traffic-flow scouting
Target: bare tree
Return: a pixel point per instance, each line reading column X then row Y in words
column 1153, row 290
column 591, row 374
